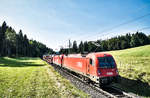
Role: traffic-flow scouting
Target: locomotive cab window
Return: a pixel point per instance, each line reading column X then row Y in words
column 91, row 62
column 106, row 62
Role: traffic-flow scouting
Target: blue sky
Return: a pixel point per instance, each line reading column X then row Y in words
column 53, row 22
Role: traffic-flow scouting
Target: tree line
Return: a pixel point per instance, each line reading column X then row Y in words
column 114, row 43
column 18, row 45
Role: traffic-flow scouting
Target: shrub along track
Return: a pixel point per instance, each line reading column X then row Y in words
column 93, row 90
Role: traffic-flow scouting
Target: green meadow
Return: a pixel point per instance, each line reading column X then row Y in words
column 134, row 68
column 33, row 78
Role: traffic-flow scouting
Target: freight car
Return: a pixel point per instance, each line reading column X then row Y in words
column 98, row 67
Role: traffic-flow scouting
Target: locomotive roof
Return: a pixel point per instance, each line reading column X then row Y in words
column 75, row 55
column 89, row 54
column 100, row 53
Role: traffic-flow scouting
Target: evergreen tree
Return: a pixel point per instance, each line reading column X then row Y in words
column 143, row 39
column 123, row 44
column 128, row 40
column 81, row 47
column 85, row 46
column 149, row 39
column 104, row 45
column 134, row 41
column 2, row 39
column 17, row 45
column 92, row 47
column 75, row 48
column 20, row 43
column 10, row 42
column 26, row 45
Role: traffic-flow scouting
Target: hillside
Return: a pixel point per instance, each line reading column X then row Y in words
column 134, row 67
column 32, row 77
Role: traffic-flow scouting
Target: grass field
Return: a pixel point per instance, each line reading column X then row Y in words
column 33, row 78
column 134, row 67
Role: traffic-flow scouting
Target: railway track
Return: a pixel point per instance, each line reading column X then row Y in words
column 108, row 92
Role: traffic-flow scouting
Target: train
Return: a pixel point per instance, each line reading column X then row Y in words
column 48, row 58
column 99, row 68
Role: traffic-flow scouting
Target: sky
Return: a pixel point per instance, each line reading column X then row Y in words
column 54, row 22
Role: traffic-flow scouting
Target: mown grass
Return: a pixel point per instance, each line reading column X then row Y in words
column 134, row 67
column 33, row 78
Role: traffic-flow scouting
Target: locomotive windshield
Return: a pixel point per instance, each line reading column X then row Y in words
column 106, row 62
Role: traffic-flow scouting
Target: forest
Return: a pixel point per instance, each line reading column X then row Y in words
column 14, row 44
column 115, row 43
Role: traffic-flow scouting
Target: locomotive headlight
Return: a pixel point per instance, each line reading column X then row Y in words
column 99, row 72
column 117, row 72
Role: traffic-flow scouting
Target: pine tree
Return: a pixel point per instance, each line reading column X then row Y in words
column 20, row 43
column 75, row 48
column 143, row 39
column 85, row 45
column 134, row 40
column 92, row 47
column 10, row 41
column 81, row 47
column 26, row 45
column 2, row 39
column 128, row 39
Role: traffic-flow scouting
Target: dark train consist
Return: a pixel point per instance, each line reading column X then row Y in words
column 98, row 67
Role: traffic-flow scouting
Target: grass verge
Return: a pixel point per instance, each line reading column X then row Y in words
column 32, row 77
column 134, row 67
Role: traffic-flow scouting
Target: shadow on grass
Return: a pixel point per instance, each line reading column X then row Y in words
column 16, row 62
column 26, row 58
column 136, row 86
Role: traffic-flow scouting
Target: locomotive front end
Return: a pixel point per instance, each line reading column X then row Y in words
column 107, row 69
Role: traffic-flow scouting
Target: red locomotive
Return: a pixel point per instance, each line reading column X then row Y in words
column 98, row 67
